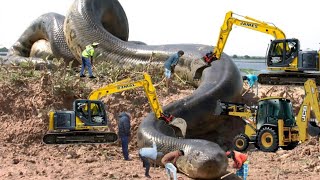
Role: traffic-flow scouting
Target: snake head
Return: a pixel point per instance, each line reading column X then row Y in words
column 204, row 162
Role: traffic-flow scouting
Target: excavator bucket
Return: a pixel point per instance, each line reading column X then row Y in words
column 197, row 66
column 313, row 129
column 180, row 126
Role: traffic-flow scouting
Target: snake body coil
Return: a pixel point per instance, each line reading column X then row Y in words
column 105, row 21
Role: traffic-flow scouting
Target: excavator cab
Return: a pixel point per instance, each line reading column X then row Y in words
column 90, row 113
column 282, row 52
column 270, row 110
column 286, row 53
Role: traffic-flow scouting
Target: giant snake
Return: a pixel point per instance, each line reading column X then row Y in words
column 105, row 21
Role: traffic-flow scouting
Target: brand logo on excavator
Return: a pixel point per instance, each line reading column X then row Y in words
column 304, row 113
column 125, row 86
column 249, row 24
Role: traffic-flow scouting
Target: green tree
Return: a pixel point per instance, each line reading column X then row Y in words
column 246, row 57
column 3, row 49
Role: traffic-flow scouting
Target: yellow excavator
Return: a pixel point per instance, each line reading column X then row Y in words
column 272, row 123
column 86, row 122
column 287, row 64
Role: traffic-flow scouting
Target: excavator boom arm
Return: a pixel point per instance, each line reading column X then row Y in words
column 311, row 102
column 250, row 23
column 128, row 84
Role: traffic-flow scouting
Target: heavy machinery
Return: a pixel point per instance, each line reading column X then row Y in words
column 272, row 123
column 85, row 123
column 287, row 64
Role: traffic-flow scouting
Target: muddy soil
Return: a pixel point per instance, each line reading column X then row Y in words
column 23, row 117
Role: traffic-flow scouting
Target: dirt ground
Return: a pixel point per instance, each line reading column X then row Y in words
column 23, row 117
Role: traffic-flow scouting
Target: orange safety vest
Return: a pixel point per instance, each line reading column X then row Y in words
column 239, row 159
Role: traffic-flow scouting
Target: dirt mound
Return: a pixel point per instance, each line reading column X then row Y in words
column 294, row 93
column 303, row 162
column 22, row 111
column 25, row 104
column 24, row 117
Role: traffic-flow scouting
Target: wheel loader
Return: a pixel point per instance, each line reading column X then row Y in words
column 272, row 123
column 87, row 122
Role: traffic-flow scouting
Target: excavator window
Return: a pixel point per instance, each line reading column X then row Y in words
column 90, row 111
column 282, row 52
column 286, row 114
column 271, row 110
column 268, row 112
column 83, row 110
column 291, row 49
column 276, row 52
column 261, row 115
column 97, row 115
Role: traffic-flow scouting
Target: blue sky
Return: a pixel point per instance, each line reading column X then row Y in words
column 180, row 21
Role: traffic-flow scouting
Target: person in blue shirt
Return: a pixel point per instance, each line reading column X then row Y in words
column 147, row 153
column 169, row 66
column 124, row 133
column 252, row 80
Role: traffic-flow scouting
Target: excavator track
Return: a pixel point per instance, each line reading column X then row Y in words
column 79, row 137
column 287, row 78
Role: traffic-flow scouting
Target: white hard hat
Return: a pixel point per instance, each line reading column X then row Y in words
column 95, row 44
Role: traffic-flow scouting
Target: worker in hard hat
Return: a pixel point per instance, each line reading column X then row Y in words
column 87, row 59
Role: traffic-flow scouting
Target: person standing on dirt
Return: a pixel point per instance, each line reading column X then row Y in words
column 124, row 133
column 147, row 153
column 169, row 161
column 252, row 80
column 169, row 66
column 240, row 163
column 87, row 59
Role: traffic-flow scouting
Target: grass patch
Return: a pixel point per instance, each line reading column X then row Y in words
column 63, row 80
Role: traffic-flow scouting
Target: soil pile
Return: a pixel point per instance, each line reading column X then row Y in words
column 24, row 120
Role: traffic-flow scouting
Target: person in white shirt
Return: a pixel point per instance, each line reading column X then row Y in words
column 147, row 153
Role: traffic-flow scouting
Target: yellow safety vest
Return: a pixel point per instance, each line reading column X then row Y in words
column 89, row 51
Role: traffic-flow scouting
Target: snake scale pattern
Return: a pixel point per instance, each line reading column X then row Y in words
column 105, row 21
